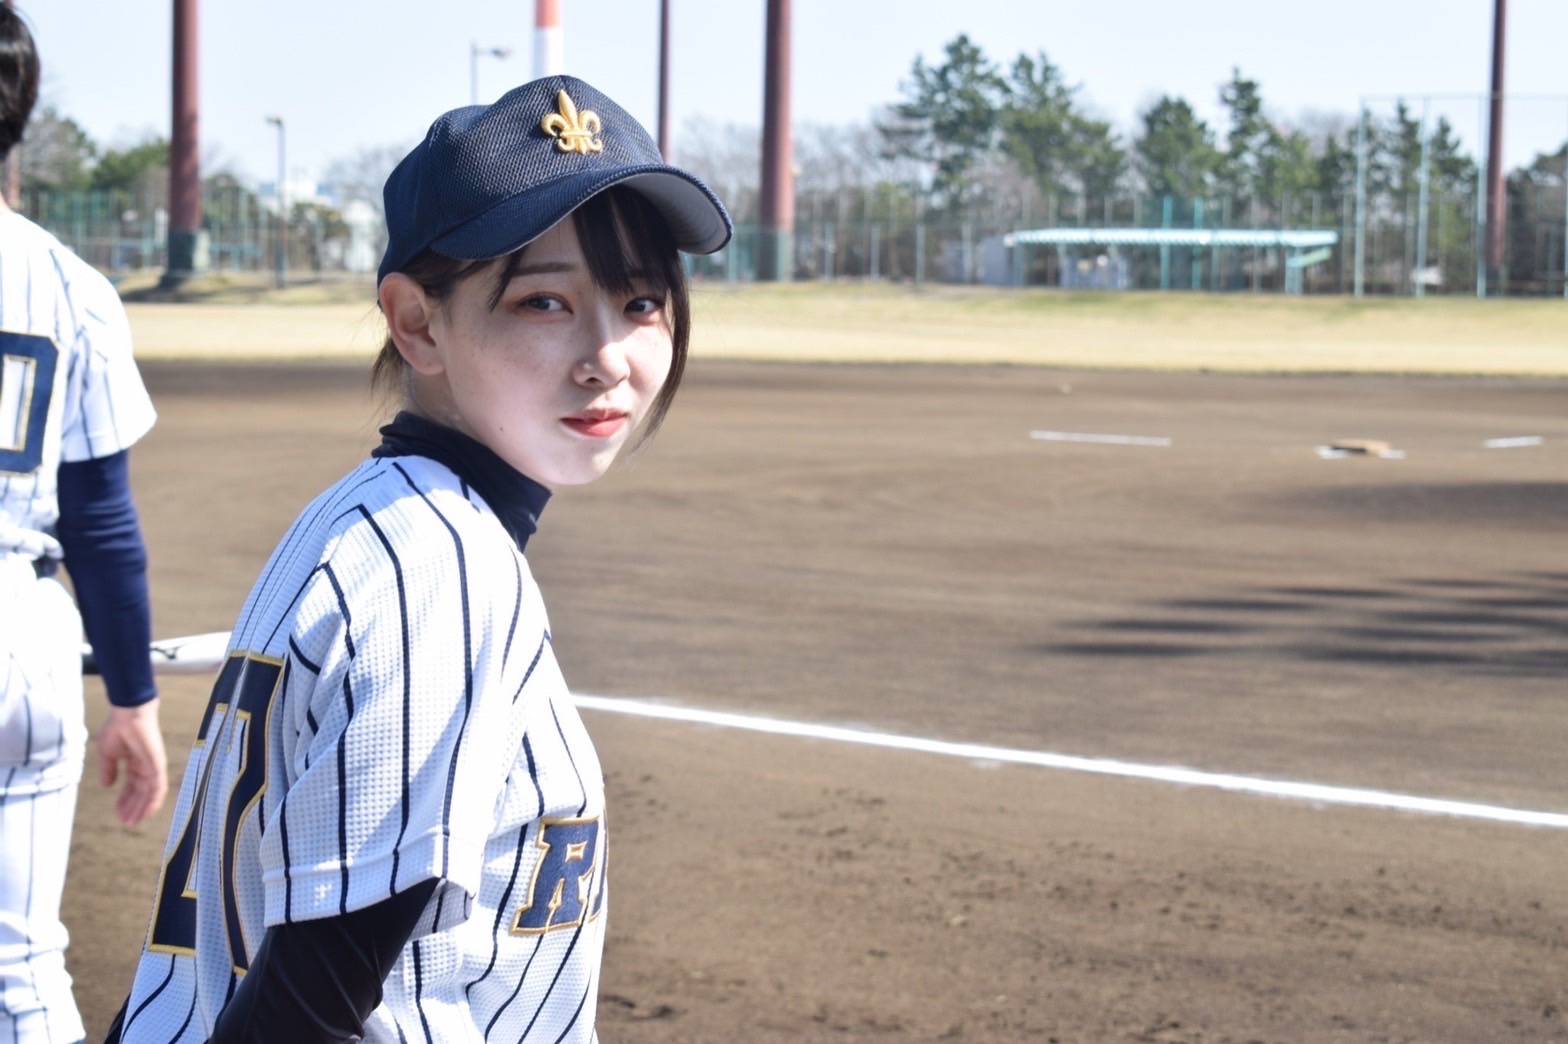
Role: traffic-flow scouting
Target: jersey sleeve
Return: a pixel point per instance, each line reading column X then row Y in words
column 400, row 729
column 112, row 409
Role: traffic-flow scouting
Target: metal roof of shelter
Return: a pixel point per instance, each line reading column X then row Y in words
column 1193, row 237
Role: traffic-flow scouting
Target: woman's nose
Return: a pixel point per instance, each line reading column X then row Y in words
column 605, row 364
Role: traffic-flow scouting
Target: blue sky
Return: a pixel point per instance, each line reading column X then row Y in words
column 351, row 74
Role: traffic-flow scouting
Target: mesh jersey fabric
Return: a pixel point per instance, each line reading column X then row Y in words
column 69, row 388
column 392, row 670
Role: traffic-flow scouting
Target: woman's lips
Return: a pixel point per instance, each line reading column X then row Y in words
column 596, row 424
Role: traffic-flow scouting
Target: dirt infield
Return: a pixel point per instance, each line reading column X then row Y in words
column 889, row 548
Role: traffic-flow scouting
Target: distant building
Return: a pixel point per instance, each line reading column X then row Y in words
column 363, row 253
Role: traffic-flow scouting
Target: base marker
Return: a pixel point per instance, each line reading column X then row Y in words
column 1114, row 440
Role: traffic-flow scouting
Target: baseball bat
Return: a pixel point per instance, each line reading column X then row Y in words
column 191, row 654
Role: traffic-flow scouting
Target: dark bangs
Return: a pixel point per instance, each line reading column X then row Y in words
column 626, row 241
column 628, row 246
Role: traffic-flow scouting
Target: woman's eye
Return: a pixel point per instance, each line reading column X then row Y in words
column 540, row 303
column 645, row 306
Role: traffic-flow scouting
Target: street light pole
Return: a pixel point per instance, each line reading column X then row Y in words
column 474, row 51
column 283, row 208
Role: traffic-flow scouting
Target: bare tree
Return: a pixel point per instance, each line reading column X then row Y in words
column 362, row 175
column 728, row 157
column 56, row 153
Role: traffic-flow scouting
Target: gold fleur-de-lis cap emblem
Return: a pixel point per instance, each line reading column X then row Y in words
column 573, row 131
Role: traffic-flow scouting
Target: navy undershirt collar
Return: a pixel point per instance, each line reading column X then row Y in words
column 516, row 499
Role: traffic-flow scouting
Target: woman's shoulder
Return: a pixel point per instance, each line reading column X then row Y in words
column 393, row 531
column 413, row 509
column 55, row 271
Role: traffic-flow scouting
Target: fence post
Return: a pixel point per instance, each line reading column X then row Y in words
column 1424, row 201
column 1361, row 203
column 1197, row 251
column 1165, row 249
column 1480, row 218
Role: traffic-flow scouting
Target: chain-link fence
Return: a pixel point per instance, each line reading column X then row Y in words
column 1406, row 247
column 121, row 232
column 1399, row 257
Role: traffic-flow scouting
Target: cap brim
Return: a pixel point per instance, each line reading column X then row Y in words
column 696, row 218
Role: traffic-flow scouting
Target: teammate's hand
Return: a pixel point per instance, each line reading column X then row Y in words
column 131, row 735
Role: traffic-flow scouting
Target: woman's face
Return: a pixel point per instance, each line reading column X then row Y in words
column 557, row 376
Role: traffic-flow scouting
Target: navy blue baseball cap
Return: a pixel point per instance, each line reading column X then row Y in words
column 488, row 179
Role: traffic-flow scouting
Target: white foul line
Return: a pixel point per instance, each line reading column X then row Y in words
column 1114, row 440
column 1164, row 773
column 1514, row 442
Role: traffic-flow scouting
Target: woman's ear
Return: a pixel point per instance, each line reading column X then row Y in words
column 408, row 311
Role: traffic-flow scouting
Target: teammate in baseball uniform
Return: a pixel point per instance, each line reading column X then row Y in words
column 392, row 825
column 71, row 403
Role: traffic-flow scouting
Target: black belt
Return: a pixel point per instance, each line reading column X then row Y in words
column 43, row 567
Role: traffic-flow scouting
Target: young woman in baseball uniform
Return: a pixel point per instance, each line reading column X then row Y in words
column 392, row 825
column 71, row 405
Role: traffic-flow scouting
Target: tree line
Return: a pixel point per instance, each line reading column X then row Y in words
column 968, row 110
column 61, row 165
column 998, row 145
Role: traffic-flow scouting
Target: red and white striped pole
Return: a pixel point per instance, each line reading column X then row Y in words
column 549, row 48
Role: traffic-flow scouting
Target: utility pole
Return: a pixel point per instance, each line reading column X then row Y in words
column 666, row 146
column 187, row 246
column 1496, row 192
column 776, row 208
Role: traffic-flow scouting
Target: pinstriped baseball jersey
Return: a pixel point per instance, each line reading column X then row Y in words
column 69, row 389
column 390, row 712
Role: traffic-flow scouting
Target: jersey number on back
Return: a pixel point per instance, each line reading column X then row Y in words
column 27, row 365
column 240, row 699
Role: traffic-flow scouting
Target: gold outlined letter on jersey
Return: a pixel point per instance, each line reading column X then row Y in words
column 568, row 879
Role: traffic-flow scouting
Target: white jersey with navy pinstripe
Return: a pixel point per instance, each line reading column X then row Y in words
column 391, row 712
column 69, row 388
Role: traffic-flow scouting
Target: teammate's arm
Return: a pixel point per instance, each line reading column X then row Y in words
column 318, row 981
column 107, row 560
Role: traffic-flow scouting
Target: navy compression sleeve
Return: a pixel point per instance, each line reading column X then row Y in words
column 107, row 560
column 316, row 982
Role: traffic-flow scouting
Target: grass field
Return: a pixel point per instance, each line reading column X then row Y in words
column 1239, row 333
